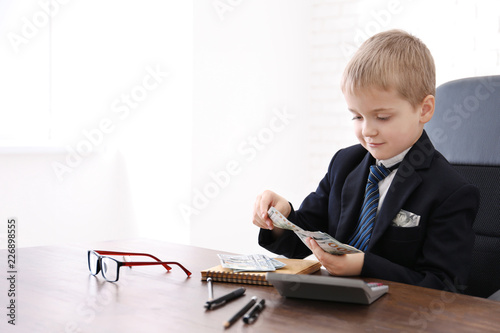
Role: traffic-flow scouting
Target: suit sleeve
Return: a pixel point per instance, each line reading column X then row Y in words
column 444, row 260
column 312, row 215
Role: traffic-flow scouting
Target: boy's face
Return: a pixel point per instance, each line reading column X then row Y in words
column 385, row 123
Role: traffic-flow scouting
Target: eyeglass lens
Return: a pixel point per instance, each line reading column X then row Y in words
column 109, row 269
column 93, row 263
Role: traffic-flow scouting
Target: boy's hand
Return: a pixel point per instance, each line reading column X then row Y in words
column 262, row 204
column 343, row 265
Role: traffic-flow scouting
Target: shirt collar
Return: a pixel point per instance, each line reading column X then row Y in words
column 388, row 163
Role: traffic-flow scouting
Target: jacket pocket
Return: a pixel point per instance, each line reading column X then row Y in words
column 402, row 245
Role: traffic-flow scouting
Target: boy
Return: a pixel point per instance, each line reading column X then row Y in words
column 418, row 229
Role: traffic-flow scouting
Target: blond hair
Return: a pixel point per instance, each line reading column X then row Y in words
column 392, row 59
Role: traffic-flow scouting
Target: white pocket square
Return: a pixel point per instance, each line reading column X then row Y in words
column 406, row 219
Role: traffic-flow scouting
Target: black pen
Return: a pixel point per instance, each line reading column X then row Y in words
column 240, row 313
column 224, row 299
column 254, row 313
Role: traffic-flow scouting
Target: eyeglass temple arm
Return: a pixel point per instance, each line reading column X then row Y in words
column 145, row 263
column 134, row 254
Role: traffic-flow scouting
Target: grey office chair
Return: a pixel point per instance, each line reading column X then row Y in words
column 466, row 130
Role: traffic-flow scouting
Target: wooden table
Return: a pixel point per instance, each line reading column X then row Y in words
column 56, row 293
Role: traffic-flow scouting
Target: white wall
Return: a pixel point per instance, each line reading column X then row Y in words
column 108, row 88
column 130, row 62
column 186, row 158
column 24, row 82
column 251, row 92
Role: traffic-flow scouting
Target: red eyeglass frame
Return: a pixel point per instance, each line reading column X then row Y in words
column 165, row 264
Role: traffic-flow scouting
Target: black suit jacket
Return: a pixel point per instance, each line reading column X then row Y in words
column 435, row 254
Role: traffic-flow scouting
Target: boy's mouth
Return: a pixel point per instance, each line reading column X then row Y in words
column 373, row 144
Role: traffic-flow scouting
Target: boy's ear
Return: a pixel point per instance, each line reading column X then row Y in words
column 427, row 109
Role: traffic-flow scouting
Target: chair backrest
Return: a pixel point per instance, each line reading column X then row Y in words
column 466, row 130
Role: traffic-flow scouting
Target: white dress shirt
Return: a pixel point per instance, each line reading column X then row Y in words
column 384, row 184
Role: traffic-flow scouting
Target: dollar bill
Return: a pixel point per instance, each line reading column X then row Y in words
column 324, row 240
column 280, row 221
column 250, row 263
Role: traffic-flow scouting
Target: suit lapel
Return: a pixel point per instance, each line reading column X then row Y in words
column 352, row 199
column 403, row 185
column 393, row 203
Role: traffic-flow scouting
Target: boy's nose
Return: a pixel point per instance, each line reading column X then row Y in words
column 369, row 130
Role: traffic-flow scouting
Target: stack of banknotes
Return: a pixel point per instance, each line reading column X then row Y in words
column 324, row 240
column 250, row 263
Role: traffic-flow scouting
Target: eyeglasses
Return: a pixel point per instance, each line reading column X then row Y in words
column 99, row 262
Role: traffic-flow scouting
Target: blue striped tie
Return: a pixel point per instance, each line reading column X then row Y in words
column 369, row 210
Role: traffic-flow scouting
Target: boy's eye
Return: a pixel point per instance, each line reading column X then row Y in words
column 356, row 117
column 383, row 118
